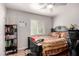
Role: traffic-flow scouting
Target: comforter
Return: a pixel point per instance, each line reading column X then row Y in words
column 52, row 45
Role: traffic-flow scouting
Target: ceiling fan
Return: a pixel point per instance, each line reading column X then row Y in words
column 50, row 5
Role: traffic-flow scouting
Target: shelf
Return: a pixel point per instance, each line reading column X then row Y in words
column 11, row 52
column 10, row 48
column 11, row 38
column 9, row 33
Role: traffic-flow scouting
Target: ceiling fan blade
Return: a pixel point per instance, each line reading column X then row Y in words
column 59, row 4
column 43, row 5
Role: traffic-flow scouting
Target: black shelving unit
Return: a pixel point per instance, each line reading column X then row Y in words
column 11, row 39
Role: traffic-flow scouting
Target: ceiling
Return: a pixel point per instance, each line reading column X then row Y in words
column 30, row 7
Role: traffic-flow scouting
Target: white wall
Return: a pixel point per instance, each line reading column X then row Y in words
column 14, row 16
column 2, row 22
column 68, row 15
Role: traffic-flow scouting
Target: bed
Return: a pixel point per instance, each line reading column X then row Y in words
column 52, row 44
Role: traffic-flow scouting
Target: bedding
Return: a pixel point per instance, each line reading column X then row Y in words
column 55, row 46
column 36, row 38
column 52, row 52
column 52, row 44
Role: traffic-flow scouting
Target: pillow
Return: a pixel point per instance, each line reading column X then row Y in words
column 55, row 34
column 63, row 34
column 36, row 38
column 33, row 39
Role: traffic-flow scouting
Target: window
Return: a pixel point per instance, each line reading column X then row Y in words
column 37, row 27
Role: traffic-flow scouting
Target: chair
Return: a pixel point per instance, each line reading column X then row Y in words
column 35, row 49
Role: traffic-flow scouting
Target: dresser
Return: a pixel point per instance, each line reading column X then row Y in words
column 73, row 37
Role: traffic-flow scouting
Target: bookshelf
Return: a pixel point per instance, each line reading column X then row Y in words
column 10, row 39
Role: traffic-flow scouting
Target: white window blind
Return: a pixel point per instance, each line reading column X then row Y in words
column 37, row 27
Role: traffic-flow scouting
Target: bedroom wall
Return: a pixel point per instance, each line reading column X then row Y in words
column 14, row 16
column 2, row 21
column 68, row 15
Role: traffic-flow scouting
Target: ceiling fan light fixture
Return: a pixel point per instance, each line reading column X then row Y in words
column 50, row 6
